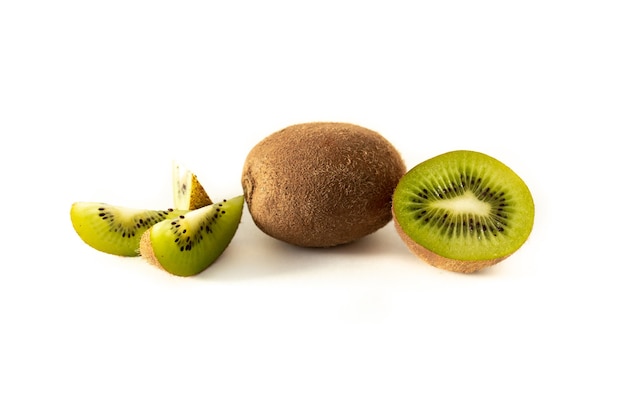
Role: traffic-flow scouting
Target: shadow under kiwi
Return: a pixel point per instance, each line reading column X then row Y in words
column 253, row 254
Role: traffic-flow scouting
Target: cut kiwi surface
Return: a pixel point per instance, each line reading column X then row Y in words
column 463, row 211
column 189, row 243
column 114, row 229
column 188, row 193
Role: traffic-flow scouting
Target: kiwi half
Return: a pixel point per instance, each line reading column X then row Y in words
column 189, row 243
column 463, row 211
column 114, row 229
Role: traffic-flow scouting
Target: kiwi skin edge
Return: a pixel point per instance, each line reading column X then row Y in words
column 430, row 257
column 147, row 252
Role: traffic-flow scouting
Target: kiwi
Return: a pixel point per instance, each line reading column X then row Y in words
column 463, row 211
column 321, row 184
column 191, row 242
column 188, row 193
column 113, row 229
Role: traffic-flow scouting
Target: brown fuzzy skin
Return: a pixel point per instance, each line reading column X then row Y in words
column 454, row 265
column 321, row 184
column 199, row 197
column 145, row 250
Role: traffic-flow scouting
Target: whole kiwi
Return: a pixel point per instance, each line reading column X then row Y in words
column 321, row 184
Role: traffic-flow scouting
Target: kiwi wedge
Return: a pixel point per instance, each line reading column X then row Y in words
column 463, row 211
column 189, row 243
column 114, row 229
column 188, row 193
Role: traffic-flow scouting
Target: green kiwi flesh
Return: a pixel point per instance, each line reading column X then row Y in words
column 114, row 229
column 463, row 211
column 189, row 243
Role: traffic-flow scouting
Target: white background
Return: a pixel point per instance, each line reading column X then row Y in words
column 97, row 99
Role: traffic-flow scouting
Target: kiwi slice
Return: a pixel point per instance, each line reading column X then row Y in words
column 115, row 229
column 189, row 243
column 463, row 211
column 188, row 193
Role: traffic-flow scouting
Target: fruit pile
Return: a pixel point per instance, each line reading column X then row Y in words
column 183, row 240
column 323, row 185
